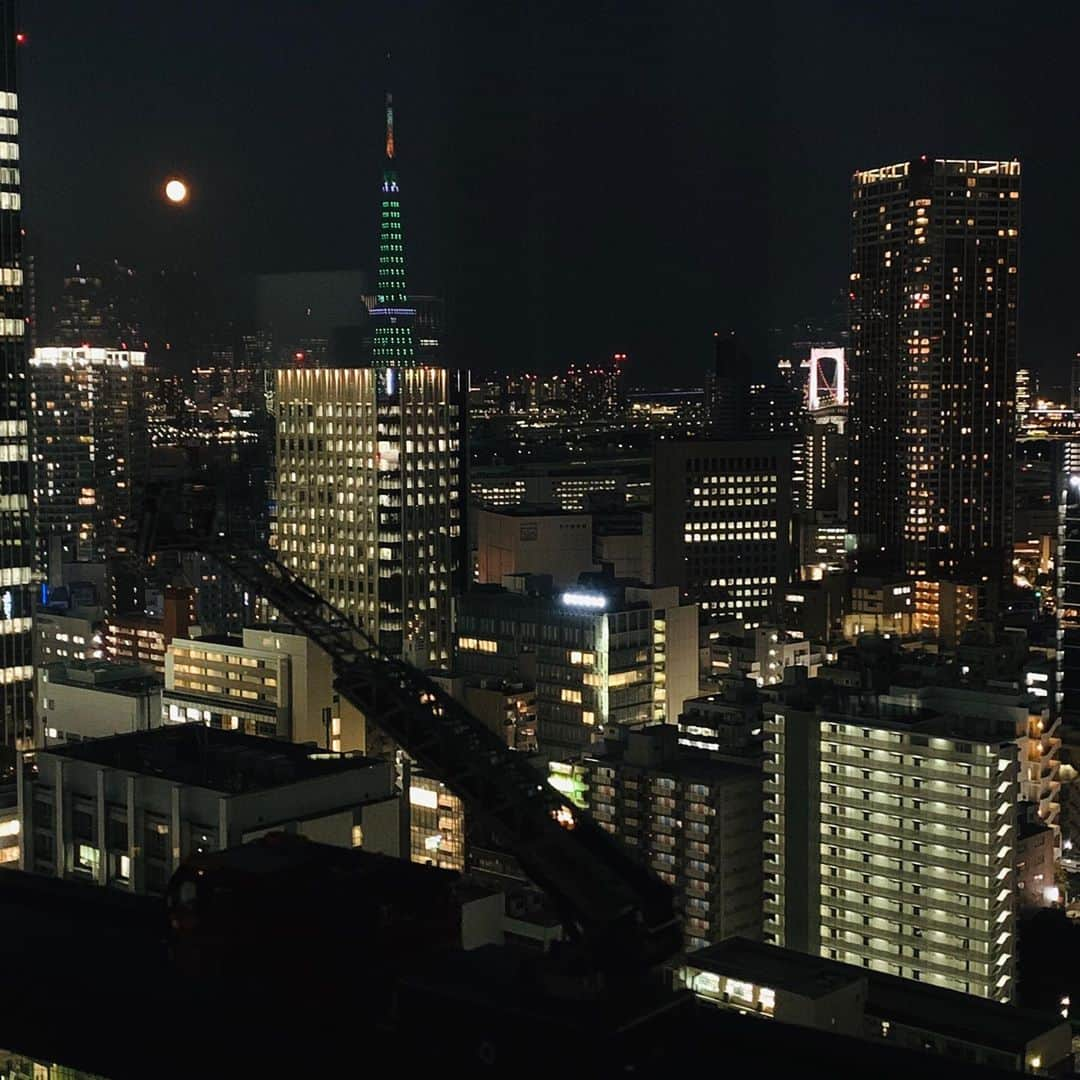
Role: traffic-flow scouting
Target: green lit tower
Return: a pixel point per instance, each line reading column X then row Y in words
column 391, row 315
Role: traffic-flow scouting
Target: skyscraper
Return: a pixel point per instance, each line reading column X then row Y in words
column 16, row 544
column 392, row 315
column 890, row 839
column 722, row 523
column 91, row 446
column 370, row 472
column 369, row 497
column 934, row 285
column 98, row 307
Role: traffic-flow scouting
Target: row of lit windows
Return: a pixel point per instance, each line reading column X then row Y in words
column 483, row 645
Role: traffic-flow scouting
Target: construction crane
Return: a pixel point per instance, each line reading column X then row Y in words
column 618, row 915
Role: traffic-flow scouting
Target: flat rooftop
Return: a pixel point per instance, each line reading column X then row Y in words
column 104, row 676
column 527, row 510
column 889, row 997
column 962, row 1016
column 224, row 761
column 770, row 965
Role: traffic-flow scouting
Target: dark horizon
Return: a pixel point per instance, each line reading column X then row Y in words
column 575, row 183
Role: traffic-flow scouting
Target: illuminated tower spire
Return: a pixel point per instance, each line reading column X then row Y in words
column 392, row 315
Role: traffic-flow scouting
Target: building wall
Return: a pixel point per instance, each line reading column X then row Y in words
column 934, row 294
column 913, row 863
column 722, row 524
column 70, row 713
column 675, row 639
column 629, row 554
column 542, row 544
column 368, row 490
column 130, row 831
column 712, row 860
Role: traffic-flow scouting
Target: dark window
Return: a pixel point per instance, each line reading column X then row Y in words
column 82, row 825
column 157, row 878
column 117, row 835
column 44, row 848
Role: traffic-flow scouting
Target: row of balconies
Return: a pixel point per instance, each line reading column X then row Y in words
column 979, row 885
column 964, row 818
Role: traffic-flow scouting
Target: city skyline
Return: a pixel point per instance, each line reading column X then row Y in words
column 530, row 176
column 406, row 645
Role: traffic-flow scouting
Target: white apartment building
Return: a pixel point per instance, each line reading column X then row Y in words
column 890, row 843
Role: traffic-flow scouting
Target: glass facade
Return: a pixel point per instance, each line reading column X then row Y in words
column 369, row 497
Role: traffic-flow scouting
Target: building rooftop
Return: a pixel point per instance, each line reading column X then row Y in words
column 224, row 761
column 962, row 1016
column 889, row 997
column 769, row 965
column 657, row 748
column 534, row 510
column 104, row 676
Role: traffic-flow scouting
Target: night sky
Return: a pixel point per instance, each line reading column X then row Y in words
column 578, row 176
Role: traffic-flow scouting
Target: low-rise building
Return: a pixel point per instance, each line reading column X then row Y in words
column 761, row 653
column 271, row 681
column 69, row 634
column 90, row 699
column 880, row 606
column 727, row 721
column 124, row 811
column 436, row 823
column 794, row 988
column 1035, row 860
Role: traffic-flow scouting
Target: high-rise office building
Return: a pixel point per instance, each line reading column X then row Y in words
column 392, row 315
column 603, row 653
column 91, row 446
column 934, row 287
column 722, row 523
column 724, row 386
column 369, row 497
column 16, row 543
column 370, row 470
column 99, row 307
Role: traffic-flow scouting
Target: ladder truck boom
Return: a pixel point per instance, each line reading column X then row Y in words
column 615, row 909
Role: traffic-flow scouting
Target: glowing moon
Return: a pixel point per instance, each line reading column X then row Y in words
column 176, row 191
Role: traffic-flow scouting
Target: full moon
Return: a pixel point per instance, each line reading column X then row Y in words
column 176, row 191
